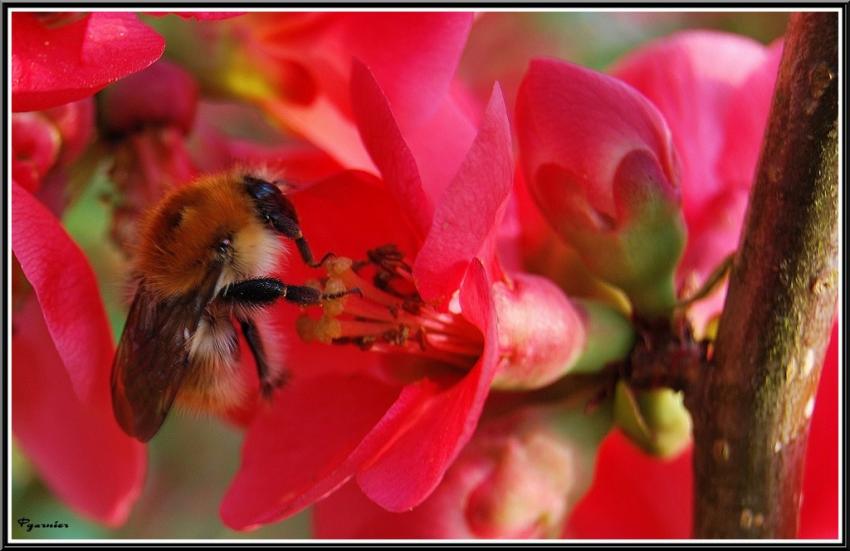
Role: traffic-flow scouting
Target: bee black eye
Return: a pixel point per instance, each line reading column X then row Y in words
column 224, row 245
column 260, row 189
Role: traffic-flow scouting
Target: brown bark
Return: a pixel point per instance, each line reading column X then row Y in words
column 752, row 410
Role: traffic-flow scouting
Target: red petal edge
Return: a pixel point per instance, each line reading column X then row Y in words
column 67, row 291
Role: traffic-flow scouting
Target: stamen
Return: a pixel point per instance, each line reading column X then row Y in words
column 382, row 318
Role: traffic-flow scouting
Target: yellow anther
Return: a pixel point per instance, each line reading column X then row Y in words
column 327, row 329
column 338, row 265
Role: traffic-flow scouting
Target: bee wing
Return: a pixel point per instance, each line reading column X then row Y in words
column 153, row 356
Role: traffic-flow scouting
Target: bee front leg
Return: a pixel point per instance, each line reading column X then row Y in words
column 288, row 226
column 264, row 291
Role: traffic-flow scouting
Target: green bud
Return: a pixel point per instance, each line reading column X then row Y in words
column 655, row 420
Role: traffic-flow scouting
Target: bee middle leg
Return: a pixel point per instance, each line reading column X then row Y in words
column 269, row 380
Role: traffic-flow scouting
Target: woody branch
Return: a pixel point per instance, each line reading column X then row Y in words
column 752, row 408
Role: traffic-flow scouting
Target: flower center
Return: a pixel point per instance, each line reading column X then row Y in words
column 388, row 315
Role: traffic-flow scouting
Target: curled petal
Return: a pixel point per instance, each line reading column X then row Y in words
column 470, row 208
column 56, row 65
column 67, row 291
column 381, row 136
column 598, row 160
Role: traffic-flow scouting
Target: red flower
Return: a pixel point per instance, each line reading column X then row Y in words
column 380, row 422
column 60, row 58
column 62, row 355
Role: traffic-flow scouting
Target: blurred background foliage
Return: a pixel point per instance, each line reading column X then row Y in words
column 192, row 460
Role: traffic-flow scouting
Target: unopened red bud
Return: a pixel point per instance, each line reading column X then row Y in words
column 161, row 95
column 532, row 467
column 599, row 161
column 75, row 123
column 541, row 332
column 35, row 148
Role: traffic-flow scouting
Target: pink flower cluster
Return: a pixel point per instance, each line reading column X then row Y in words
column 521, row 230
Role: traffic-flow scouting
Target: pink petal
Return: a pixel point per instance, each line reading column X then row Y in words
column 406, row 473
column 67, row 291
column 585, row 123
column 412, row 55
column 76, row 445
column 52, row 66
column 348, row 514
column 440, row 146
column 819, row 512
column 634, row 496
column 382, row 138
column 690, row 78
column 746, row 119
column 322, row 124
column 300, row 449
column 469, row 208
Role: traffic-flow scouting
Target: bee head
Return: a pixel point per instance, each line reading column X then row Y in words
column 272, row 207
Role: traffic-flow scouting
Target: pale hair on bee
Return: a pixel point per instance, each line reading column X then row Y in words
column 202, row 271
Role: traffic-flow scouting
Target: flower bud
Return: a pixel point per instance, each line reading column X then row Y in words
column 540, row 332
column 163, row 95
column 75, row 123
column 655, row 420
column 35, row 148
column 543, row 334
column 599, row 161
column 531, row 468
